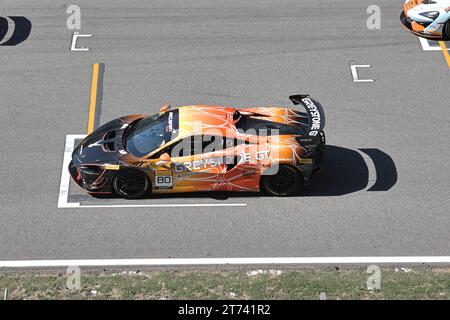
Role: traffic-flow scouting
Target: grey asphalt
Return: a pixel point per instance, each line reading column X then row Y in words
column 233, row 53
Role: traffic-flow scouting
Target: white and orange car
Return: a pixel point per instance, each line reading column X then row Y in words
column 428, row 19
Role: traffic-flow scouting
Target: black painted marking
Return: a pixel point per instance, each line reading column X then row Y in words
column 3, row 28
column 21, row 31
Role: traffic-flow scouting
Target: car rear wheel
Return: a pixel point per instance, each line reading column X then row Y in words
column 131, row 184
column 286, row 181
column 446, row 31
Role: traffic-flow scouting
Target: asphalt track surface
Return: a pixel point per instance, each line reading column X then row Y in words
column 384, row 190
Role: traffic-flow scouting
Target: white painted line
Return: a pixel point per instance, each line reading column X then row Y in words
column 354, row 67
column 225, row 261
column 164, row 205
column 65, row 181
column 73, row 44
column 426, row 45
column 65, row 176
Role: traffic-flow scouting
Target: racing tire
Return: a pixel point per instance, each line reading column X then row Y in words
column 287, row 181
column 131, row 184
column 446, row 31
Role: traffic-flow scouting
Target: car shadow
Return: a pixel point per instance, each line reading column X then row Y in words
column 344, row 171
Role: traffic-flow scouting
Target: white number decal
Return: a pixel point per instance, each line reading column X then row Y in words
column 163, row 181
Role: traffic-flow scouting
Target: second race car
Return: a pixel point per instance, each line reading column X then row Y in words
column 204, row 148
column 428, row 19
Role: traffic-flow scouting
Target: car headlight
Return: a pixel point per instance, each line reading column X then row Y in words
column 91, row 174
column 91, row 170
column 430, row 14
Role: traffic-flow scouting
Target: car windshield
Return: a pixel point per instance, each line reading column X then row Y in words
column 152, row 132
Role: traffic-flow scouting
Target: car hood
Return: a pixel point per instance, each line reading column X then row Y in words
column 104, row 145
column 414, row 8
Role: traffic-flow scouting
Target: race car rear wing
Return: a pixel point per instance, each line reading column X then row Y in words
column 314, row 112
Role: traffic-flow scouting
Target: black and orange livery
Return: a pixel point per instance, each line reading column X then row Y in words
column 204, row 148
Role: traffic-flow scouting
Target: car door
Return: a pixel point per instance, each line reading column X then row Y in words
column 183, row 166
column 226, row 164
column 200, row 166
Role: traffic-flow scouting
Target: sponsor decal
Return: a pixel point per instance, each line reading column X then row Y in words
column 95, row 144
column 315, row 116
column 305, row 161
column 163, row 179
column 170, row 122
column 217, row 161
column 112, row 167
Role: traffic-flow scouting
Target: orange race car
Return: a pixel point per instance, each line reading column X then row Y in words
column 204, row 148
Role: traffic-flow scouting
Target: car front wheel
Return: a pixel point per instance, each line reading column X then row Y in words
column 446, row 31
column 131, row 184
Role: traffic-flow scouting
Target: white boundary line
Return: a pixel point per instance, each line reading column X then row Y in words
column 354, row 71
column 226, row 261
column 426, row 45
column 65, row 176
column 65, row 180
column 162, row 205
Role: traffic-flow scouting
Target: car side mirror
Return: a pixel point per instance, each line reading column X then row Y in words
column 165, row 157
column 164, row 108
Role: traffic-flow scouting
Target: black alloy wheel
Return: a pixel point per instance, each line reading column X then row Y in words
column 286, row 181
column 131, row 184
